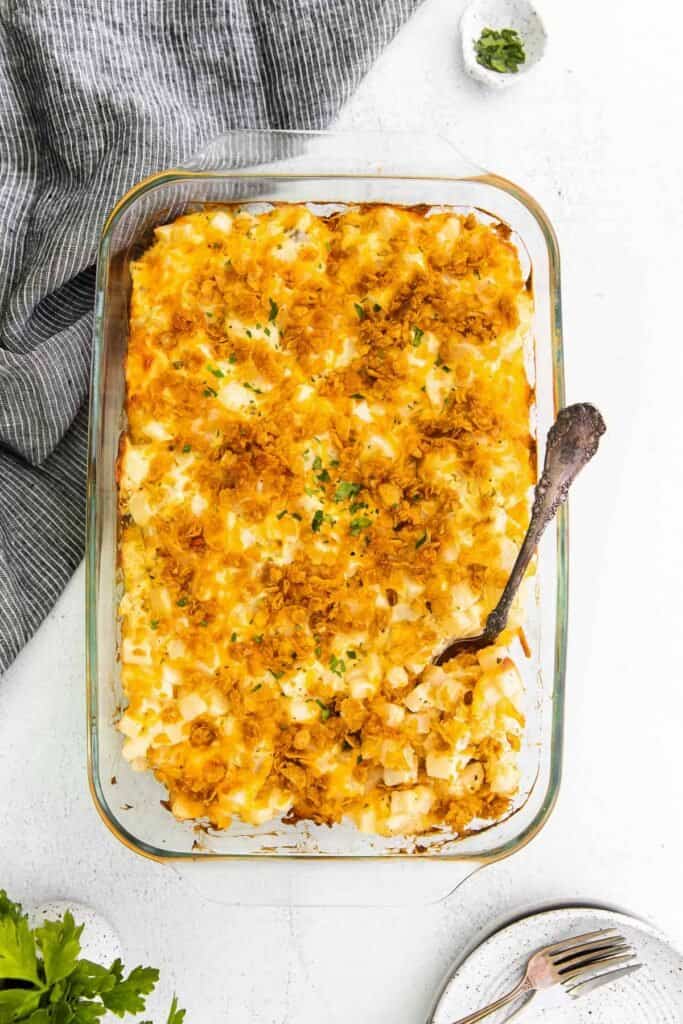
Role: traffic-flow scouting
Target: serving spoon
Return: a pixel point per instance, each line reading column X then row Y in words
column 572, row 442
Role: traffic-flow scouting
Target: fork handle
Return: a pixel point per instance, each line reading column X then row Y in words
column 472, row 1018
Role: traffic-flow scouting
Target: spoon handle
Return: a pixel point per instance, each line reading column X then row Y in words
column 572, row 442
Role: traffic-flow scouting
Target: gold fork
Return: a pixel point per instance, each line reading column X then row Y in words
column 580, row 963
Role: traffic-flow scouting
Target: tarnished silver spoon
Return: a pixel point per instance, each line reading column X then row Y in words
column 572, row 442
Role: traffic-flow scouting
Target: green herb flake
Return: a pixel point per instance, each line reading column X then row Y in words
column 317, row 463
column 233, row 638
column 357, row 506
column 346, row 489
column 154, row 624
column 351, row 654
column 358, row 524
column 273, row 310
column 317, row 521
column 422, row 539
column 324, row 477
column 187, row 448
column 276, row 675
column 318, row 651
column 258, row 639
column 417, row 336
column 337, row 665
column 377, row 308
column 204, row 623
column 282, row 514
column 357, row 395
column 215, row 370
column 178, row 364
column 501, row 51
column 251, row 387
column 257, row 687
column 182, row 602
column 360, row 312
column 210, row 393
column 232, row 358
column 324, row 710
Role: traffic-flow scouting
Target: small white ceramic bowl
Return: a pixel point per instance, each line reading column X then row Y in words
column 498, row 14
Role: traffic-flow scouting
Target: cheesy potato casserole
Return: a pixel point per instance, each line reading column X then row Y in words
column 325, row 473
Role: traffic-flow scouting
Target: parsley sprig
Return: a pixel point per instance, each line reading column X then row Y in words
column 44, row 980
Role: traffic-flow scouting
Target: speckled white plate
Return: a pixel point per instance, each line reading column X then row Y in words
column 653, row 995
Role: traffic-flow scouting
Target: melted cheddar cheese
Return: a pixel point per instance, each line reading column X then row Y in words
column 325, row 473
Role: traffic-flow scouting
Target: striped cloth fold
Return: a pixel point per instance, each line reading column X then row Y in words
column 94, row 95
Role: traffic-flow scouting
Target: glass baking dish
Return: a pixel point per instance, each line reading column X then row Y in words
column 318, row 168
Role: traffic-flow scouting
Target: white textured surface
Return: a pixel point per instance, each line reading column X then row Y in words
column 594, row 134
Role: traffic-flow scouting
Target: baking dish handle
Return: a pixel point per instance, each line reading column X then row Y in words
column 334, row 154
column 325, row 883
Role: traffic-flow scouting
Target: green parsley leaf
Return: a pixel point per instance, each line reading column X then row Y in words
column 187, row 448
column 215, row 371
column 324, row 477
column 154, row 624
column 346, row 489
column 182, row 602
column 337, row 665
column 232, row 358
column 17, row 950
column 360, row 312
column 276, row 675
column 501, row 51
column 324, row 711
column 356, row 506
column 251, row 387
column 317, row 463
column 257, row 687
column 417, row 336
column 422, row 539
column 60, row 944
column 17, row 1003
column 127, row 994
column 377, row 308
column 281, row 515
column 295, row 515
column 361, row 523
column 233, row 638
column 273, row 310
column 177, row 364
column 317, row 521
column 258, row 639
column 351, row 654
column 210, row 393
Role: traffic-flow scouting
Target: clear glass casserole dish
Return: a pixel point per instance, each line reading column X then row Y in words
column 319, row 168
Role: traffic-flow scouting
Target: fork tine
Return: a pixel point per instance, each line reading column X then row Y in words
column 595, row 965
column 582, row 988
column 566, row 956
column 574, row 940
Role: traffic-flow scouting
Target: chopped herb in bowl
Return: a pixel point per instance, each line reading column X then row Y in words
column 500, row 50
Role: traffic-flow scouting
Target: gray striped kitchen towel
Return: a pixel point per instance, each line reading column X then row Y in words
column 94, row 95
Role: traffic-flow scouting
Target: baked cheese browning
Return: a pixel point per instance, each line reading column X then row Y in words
column 326, row 471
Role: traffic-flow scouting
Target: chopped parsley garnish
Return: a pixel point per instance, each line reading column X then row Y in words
column 276, row 675
column 281, row 515
column 182, row 602
column 295, row 515
column 377, row 308
column 422, row 539
column 248, row 333
column 154, row 624
column 501, row 51
column 359, row 311
column 210, row 393
column 324, row 477
column 357, row 506
column 251, row 387
column 232, row 358
column 334, row 463
column 351, row 654
column 361, row 523
column 337, row 665
column 317, row 520
column 266, row 331
column 178, row 364
column 317, row 463
column 357, row 395
column 417, row 336
column 324, row 711
column 215, row 370
column 273, row 310
column 317, row 650
column 258, row 639
column 233, row 638
column 204, row 623
column 257, row 687
column 346, row 489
